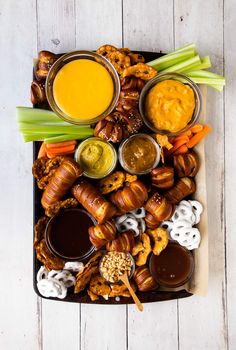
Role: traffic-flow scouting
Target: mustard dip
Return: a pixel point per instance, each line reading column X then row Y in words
column 170, row 105
column 96, row 157
column 83, row 89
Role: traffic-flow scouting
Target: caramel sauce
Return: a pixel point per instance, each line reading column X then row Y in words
column 173, row 267
column 67, row 233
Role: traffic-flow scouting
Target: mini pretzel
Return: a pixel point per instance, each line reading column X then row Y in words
column 197, row 209
column 136, row 58
column 63, row 276
column 140, row 70
column 160, row 238
column 111, row 182
column 106, row 49
column 119, row 60
column 42, row 273
column 143, row 250
column 52, row 288
column 139, row 213
column 188, row 237
column 74, row 266
column 184, row 212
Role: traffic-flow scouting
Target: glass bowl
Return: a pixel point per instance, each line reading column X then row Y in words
column 77, row 55
column 124, row 164
column 132, row 267
column 171, row 76
column 173, row 267
column 81, row 147
column 66, row 234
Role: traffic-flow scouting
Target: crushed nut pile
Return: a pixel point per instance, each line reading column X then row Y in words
column 115, row 264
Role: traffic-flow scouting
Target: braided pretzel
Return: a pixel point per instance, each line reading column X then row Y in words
column 52, row 288
column 63, row 276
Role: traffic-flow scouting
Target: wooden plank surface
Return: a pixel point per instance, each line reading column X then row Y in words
column 56, row 32
column 20, row 325
column 63, row 25
column 230, row 165
column 101, row 327
column 146, row 33
column 192, row 21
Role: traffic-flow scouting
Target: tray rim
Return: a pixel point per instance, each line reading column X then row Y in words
column 164, row 295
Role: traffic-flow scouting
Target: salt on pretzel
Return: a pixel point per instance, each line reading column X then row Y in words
column 52, row 288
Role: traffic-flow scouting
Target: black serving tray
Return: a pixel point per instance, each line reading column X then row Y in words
column 82, row 297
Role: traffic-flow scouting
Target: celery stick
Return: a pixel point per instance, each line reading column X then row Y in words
column 29, row 114
column 55, row 129
column 205, row 74
column 180, row 67
column 173, row 60
column 184, row 48
column 205, row 63
column 208, row 81
column 169, row 60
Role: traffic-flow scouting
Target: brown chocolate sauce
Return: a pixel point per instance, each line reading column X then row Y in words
column 173, row 267
column 67, row 233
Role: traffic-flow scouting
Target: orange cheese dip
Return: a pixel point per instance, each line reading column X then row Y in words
column 170, row 105
column 83, row 89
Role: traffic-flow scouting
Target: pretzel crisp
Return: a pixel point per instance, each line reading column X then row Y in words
column 99, row 286
column 67, row 203
column 104, row 50
column 142, row 249
column 140, row 70
column 84, row 276
column 111, row 182
column 160, row 239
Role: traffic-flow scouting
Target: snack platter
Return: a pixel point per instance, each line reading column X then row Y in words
column 158, row 294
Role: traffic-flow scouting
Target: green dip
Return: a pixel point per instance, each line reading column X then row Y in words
column 96, row 157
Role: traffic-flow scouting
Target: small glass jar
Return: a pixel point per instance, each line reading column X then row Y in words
column 97, row 153
column 67, row 235
column 173, row 267
column 114, row 255
column 78, row 55
column 139, row 154
column 177, row 77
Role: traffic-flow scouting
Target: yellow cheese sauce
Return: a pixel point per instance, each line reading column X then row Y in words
column 83, row 89
column 170, row 105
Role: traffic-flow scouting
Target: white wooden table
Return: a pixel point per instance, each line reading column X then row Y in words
column 197, row 323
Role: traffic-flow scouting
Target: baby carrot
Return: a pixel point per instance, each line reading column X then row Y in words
column 181, row 150
column 60, row 144
column 42, row 150
column 181, row 137
column 197, row 128
column 61, row 150
column 198, row 137
column 176, row 145
column 51, row 155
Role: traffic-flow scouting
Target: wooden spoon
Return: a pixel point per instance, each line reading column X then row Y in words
column 125, row 280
